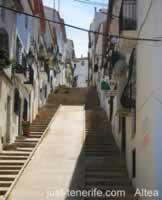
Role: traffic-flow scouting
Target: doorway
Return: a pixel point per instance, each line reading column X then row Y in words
column 111, row 107
column 25, row 110
column 123, row 142
column 19, row 118
column 8, row 120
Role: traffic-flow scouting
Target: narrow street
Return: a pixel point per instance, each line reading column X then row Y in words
column 80, row 99
column 105, row 167
column 77, row 152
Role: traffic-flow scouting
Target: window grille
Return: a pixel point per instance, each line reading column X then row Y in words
column 128, row 16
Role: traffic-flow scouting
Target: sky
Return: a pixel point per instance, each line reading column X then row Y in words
column 78, row 14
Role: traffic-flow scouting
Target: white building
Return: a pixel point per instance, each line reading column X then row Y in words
column 81, row 72
column 59, row 39
column 8, row 121
column 149, row 96
column 97, row 25
column 134, row 109
column 69, row 56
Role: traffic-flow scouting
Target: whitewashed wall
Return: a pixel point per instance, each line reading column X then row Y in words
column 149, row 97
column 81, row 71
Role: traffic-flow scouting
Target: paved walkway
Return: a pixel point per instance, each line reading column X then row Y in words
column 54, row 162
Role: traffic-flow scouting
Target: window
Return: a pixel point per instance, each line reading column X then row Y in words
column 19, row 55
column 25, row 110
column 4, row 43
column 45, row 91
column 31, row 75
column 134, row 163
column 82, row 63
column 2, row 11
column 16, row 101
column 134, row 124
column 51, row 83
column 24, row 64
column 96, row 68
column 26, row 22
column 128, row 15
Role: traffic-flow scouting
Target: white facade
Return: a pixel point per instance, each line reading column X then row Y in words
column 8, row 22
column 149, row 96
column 81, row 72
column 142, row 128
column 6, row 116
column 69, row 50
column 8, row 119
column 95, row 42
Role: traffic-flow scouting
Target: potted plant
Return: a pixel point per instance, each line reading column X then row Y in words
column 4, row 59
column 18, row 68
column 26, row 128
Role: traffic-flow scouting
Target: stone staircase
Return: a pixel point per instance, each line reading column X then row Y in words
column 14, row 157
column 105, row 167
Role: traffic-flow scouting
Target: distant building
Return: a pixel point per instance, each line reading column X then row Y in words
column 81, row 72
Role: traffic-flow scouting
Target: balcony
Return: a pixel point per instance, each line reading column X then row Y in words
column 128, row 21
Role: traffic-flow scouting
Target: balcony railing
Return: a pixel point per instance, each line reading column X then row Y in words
column 128, row 16
column 128, row 98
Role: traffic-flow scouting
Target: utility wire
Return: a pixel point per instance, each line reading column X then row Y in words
column 79, row 28
column 145, row 18
column 91, row 2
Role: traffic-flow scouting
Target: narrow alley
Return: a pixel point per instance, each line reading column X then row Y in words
column 75, row 153
column 80, row 99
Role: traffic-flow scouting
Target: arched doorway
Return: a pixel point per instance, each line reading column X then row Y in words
column 17, row 108
column 25, row 110
column 4, row 41
column 8, row 120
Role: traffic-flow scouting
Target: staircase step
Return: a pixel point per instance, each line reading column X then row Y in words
column 106, row 181
column 25, row 144
column 7, row 177
column 5, row 184
column 34, row 136
column 105, row 166
column 14, row 154
column 9, row 172
column 9, row 167
column 24, row 149
column 108, row 174
column 13, row 158
column 11, row 162
column 36, row 132
column 2, row 191
column 26, row 141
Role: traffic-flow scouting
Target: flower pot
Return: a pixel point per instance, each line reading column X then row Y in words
column 26, row 128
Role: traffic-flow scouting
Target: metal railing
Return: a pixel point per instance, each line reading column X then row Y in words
column 128, row 15
column 128, row 98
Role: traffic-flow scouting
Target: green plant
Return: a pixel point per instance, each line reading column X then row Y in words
column 47, row 61
column 26, row 128
column 17, row 68
column 4, row 59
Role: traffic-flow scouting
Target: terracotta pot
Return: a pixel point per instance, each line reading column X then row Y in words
column 26, row 128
